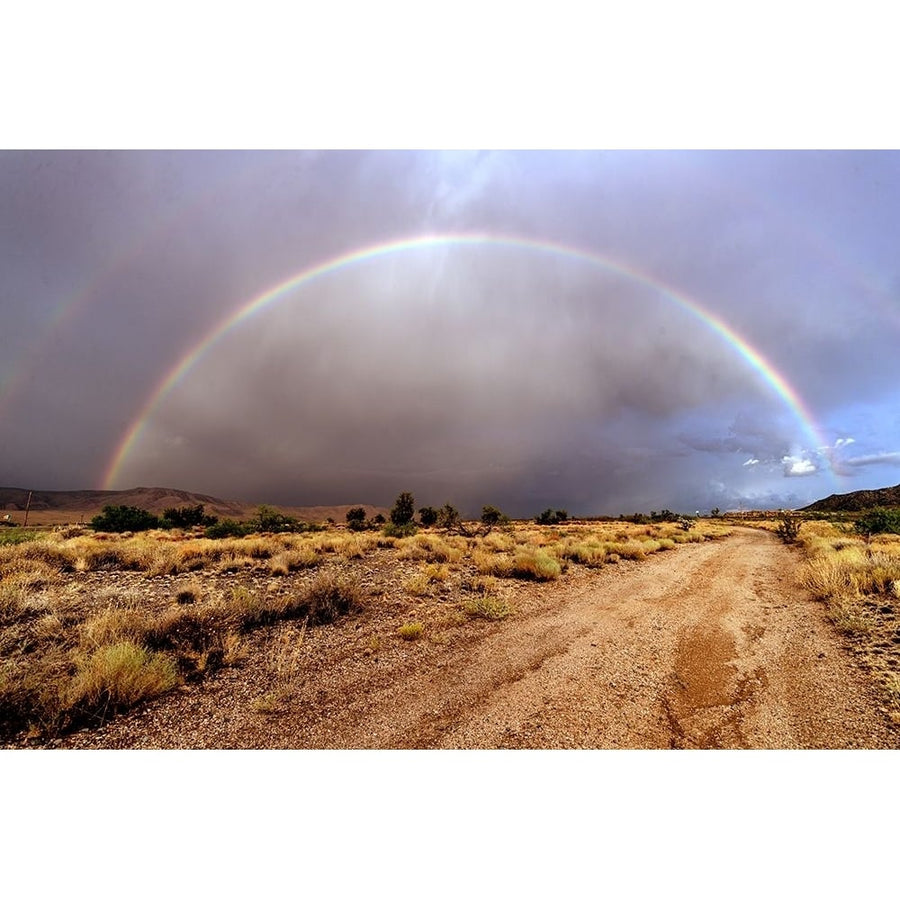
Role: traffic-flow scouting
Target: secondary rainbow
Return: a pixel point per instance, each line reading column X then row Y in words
column 756, row 360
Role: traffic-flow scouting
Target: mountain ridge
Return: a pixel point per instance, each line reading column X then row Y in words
column 64, row 507
column 856, row 500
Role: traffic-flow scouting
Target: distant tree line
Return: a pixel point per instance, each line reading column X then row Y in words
column 133, row 518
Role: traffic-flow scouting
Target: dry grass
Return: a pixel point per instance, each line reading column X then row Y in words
column 91, row 624
column 411, row 631
column 859, row 583
column 117, row 676
column 536, row 564
column 488, row 605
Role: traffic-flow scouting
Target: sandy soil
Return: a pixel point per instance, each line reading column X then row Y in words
column 712, row 645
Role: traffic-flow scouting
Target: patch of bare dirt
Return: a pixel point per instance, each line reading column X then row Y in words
column 712, row 645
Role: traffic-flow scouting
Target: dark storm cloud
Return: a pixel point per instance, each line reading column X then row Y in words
column 474, row 375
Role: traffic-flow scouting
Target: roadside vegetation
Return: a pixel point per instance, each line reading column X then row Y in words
column 853, row 566
column 94, row 622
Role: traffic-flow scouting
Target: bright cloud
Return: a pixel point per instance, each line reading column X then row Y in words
column 794, row 466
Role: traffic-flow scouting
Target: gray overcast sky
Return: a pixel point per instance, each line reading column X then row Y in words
column 474, row 374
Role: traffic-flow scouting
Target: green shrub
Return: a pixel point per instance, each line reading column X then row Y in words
column 187, row 517
column 124, row 518
column 18, row 535
column 399, row 531
column 428, row 516
column 492, row 516
column 448, row 516
column 879, row 521
column 552, row 517
column 229, row 528
column 356, row 518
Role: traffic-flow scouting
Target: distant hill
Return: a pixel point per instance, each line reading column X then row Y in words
column 857, row 500
column 60, row 507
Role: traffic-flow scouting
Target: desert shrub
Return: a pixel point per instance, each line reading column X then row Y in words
column 331, row 596
column 117, row 676
column 418, row 584
column 187, row 517
column 356, row 518
column 625, row 550
column 411, row 631
column 497, row 564
column 124, row 518
column 788, row 529
column 448, row 517
column 62, row 559
column 189, row 593
column 552, row 517
column 879, row 521
column 399, row 531
column 488, row 606
column 589, row 553
column 18, row 535
column 113, row 625
column 268, row 518
column 101, row 556
column 535, row 564
column 294, row 560
column 491, row 516
column 428, row 516
column 228, row 528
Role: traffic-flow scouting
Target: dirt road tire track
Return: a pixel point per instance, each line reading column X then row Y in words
column 713, row 645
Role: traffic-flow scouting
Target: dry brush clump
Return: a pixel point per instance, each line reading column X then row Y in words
column 68, row 661
column 858, row 580
column 535, row 563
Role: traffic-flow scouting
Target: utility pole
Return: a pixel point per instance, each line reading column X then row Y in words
column 27, row 507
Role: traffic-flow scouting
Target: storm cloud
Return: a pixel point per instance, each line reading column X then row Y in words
column 503, row 373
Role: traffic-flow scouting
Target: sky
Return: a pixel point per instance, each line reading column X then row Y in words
column 604, row 332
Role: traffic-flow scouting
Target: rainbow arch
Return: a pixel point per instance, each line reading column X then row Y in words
column 272, row 295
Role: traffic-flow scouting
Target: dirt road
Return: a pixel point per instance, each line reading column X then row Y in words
column 713, row 645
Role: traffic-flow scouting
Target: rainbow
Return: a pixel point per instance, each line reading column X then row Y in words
column 752, row 356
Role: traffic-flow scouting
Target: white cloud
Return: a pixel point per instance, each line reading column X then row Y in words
column 842, row 442
column 752, row 462
column 795, row 465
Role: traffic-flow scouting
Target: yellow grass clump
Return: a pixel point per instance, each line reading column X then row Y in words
column 119, row 675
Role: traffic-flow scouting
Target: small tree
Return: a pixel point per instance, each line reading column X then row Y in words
column 491, row 516
column 356, row 518
column 404, row 510
column 428, row 515
column 448, row 516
